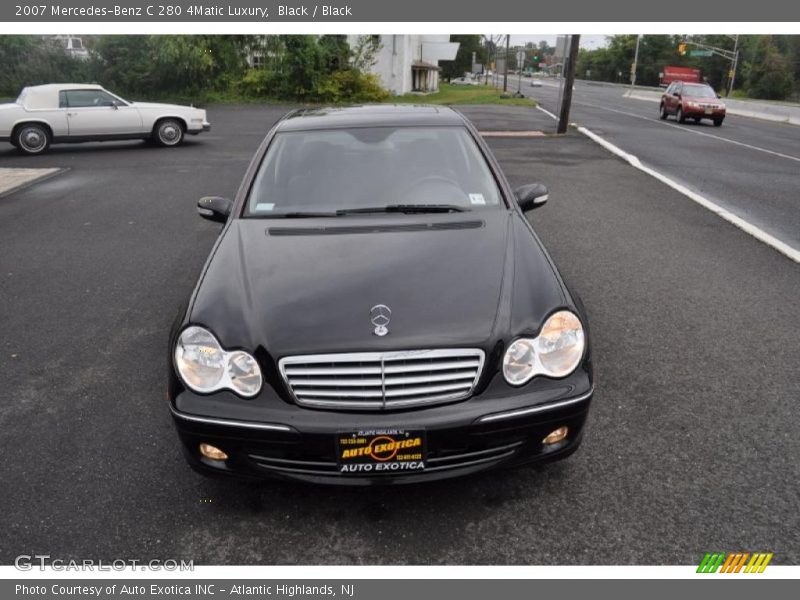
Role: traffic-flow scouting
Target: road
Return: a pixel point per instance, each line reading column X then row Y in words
column 691, row 442
column 748, row 166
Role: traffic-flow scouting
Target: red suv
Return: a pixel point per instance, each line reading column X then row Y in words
column 691, row 101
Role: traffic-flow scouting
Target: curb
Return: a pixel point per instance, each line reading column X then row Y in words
column 39, row 179
column 759, row 234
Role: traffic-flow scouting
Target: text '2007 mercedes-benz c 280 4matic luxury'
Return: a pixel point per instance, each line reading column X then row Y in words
column 377, row 309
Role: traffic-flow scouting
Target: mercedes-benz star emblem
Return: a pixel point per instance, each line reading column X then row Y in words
column 380, row 315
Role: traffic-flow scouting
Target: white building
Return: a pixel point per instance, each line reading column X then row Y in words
column 410, row 63
column 73, row 46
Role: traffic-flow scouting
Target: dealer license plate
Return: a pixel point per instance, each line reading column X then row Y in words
column 380, row 451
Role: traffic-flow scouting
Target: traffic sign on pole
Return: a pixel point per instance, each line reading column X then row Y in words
column 701, row 53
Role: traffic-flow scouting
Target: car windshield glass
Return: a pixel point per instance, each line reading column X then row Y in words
column 699, row 91
column 392, row 170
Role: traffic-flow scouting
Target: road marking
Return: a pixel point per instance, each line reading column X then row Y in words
column 547, row 112
column 688, row 130
column 511, row 133
column 745, row 226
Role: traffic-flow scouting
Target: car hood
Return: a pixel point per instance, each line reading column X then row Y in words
column 301, row 286
column 703, row 100
column 160, row 106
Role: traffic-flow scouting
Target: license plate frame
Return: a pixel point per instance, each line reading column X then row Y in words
column 381, row 451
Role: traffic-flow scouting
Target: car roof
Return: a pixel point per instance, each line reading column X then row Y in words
column 370, row 115
column 64, row 86
column 46, row 96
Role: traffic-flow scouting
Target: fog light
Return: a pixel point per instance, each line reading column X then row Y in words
column 215, row 453
column 556, row 436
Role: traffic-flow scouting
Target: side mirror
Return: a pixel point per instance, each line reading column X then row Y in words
column 214, row 208
column 531, row 196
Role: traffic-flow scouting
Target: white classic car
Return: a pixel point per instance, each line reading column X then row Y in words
column 57, row 113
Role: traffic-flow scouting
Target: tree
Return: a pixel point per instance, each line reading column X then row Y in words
column 468, row 44
column 770, row 76
column 195, row 63
column 33, row 60
column 365, row 52
column 122, row 63
column 167, row 65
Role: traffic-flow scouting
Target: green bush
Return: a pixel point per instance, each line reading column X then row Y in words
column 201, row 68
column 256, row 83
column 350, row 86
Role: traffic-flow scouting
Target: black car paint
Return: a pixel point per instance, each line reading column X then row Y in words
column 279, row 288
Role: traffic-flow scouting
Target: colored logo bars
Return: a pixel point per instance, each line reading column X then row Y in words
column 734, row 562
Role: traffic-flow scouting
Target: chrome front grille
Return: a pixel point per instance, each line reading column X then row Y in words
column 438, row 462
column 382, row 380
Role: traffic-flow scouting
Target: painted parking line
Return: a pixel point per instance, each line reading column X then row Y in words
column 547, row 112
column 746, row 226
column 690, row 130
column 495, row 134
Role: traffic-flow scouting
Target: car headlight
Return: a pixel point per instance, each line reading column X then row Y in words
column 204, row 366
column 555, row 352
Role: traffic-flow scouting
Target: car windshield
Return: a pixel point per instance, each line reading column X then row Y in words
column 699, row 91
column 340, row 172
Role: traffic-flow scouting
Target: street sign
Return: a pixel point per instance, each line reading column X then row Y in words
column 520, row 58
column 561, row 46
column 701, row 53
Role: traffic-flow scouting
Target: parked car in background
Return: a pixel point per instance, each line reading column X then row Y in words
column 68, row 113
column 465, row 81
column 691, row 101
column 439, row 340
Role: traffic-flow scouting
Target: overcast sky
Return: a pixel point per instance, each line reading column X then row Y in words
column 587, row 41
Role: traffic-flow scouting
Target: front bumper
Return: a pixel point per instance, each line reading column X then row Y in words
column 700, row 113
column 462, row 438
column 195, row 128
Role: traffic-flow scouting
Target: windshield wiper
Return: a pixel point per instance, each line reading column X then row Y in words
column 403, row 208
column 299, row 215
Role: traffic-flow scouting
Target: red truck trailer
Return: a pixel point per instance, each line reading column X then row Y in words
column 687, row 74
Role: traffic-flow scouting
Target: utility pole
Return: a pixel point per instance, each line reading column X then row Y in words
column 732, row 77
column 569, row 81
column 731, row 55
column 635, row 61
column 505, row 64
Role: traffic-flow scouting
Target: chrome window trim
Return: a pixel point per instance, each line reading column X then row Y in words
column 385, row 402
column 228, row 422
column 535, row 409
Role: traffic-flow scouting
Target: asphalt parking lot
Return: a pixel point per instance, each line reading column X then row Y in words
column 692, row 439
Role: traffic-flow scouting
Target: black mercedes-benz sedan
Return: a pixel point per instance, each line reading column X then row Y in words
column 377, row 309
